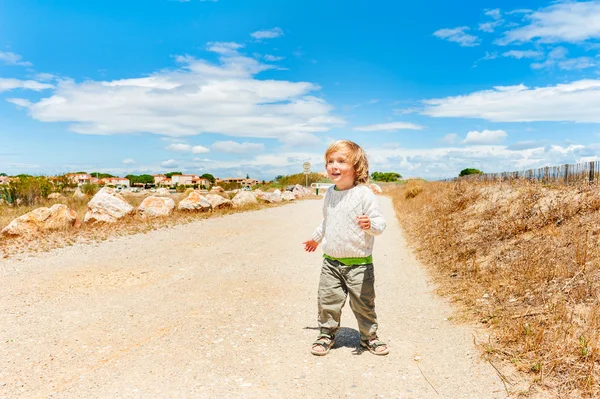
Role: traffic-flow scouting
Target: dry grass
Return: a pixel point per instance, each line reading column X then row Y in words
column 524, row 261
column 95, row 232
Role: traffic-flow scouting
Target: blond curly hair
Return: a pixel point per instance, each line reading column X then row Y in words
column 357, row 158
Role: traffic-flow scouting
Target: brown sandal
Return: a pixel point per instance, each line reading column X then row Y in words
column 372, row 344
column 324, row 341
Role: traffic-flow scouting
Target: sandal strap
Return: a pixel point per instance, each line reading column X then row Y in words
column 374, row 343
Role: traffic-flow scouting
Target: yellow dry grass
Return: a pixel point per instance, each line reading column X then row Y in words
column 524, row 261
column 95, row 232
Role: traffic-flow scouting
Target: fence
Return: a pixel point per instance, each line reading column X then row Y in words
column 588, row 173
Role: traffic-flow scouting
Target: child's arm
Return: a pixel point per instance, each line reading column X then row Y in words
column 372, row 221
column 312, row 244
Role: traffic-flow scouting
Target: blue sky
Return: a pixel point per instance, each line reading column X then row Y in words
column 236, row 87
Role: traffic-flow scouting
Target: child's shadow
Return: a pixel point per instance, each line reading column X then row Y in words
column 345, row 338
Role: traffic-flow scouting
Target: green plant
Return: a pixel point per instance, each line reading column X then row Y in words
column 90, row 189
column 470, row 171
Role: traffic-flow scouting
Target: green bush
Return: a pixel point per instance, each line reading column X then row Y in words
column 27, row 190
column 90, row 189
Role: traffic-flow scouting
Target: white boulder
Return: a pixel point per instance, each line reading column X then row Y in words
column 107, row 206
column 288, row 196
column 218, row 202
column 55, row 196
column 194, row 202
column 57, row 217
column 243, row 198
column 156, row 207
column 162, row 191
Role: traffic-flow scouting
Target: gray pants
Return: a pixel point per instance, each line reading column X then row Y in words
column 336, row 283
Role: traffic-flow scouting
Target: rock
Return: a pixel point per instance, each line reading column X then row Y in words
column 277, row 191
column 288, row 196
column 217, row 189
column 156, row 206
column 78, row 194
column 218, row 202
column 272, row 197
column 375, row 188
column 162, row 191
column 55, row 196
column 188, row 191
column 300, row 191
column 194, row 202
column 107, row 206
column 243, row 198
column 39, row 220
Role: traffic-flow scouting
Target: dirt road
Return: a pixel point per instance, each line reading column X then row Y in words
column 223, row 308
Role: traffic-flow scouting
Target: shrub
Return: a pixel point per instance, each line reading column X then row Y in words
column 90, row 189
column 413, row 188
column 27, row 190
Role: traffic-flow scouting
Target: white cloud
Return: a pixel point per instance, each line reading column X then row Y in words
column 128, row 161
column 577, row 101
column 301, row 140
column 489, row 27
column 563, row 22
column 9, row 58
column 224, row 47
column 458, row 35
column 267, row 34
column 495, row 13
column 11, row 84
column 19, row 102
column 519, row 54
column 197, row 97
column 485, row 137
column 197, row 149
column 273, row 58
column 558, row 57
column 451, row 138
column 169, row 163
column 233, row 147
column 389, row 127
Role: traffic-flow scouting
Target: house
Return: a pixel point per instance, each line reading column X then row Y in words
column 159, row 179
column 249, row 182
column 117, row 181
column 186, row 180
column 79, row 178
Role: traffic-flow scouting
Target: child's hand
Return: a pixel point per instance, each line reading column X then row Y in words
column 310, row 245
column 364, row 222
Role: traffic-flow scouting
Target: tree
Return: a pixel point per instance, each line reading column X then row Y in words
column 101, row 175
column 170, row 174
column 470, row 171
column 2, row 174
column 210, row 177
column 141, row 179
column 385, row 176
column 247, row 176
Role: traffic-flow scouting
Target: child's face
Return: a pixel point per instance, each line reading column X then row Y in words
column 340, row 171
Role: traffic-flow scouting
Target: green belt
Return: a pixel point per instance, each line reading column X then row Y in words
column 351, row 261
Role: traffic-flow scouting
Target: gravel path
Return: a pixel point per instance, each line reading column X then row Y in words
column 223, row 308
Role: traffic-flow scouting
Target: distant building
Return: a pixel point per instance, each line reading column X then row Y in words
column 79, row 178
column 117, row 181
column 159, row 179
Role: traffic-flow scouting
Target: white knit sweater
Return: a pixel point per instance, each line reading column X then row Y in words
column 339, row 232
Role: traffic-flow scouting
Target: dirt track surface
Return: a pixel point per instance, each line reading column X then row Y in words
column 224, row 308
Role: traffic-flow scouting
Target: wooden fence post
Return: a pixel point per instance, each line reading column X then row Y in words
column 566, row 174
column 592, row 170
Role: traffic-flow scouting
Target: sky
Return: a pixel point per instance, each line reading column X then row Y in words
column 238, row 87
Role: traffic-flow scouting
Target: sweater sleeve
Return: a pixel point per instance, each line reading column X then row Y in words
column 371, row 209
column 320, row 231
